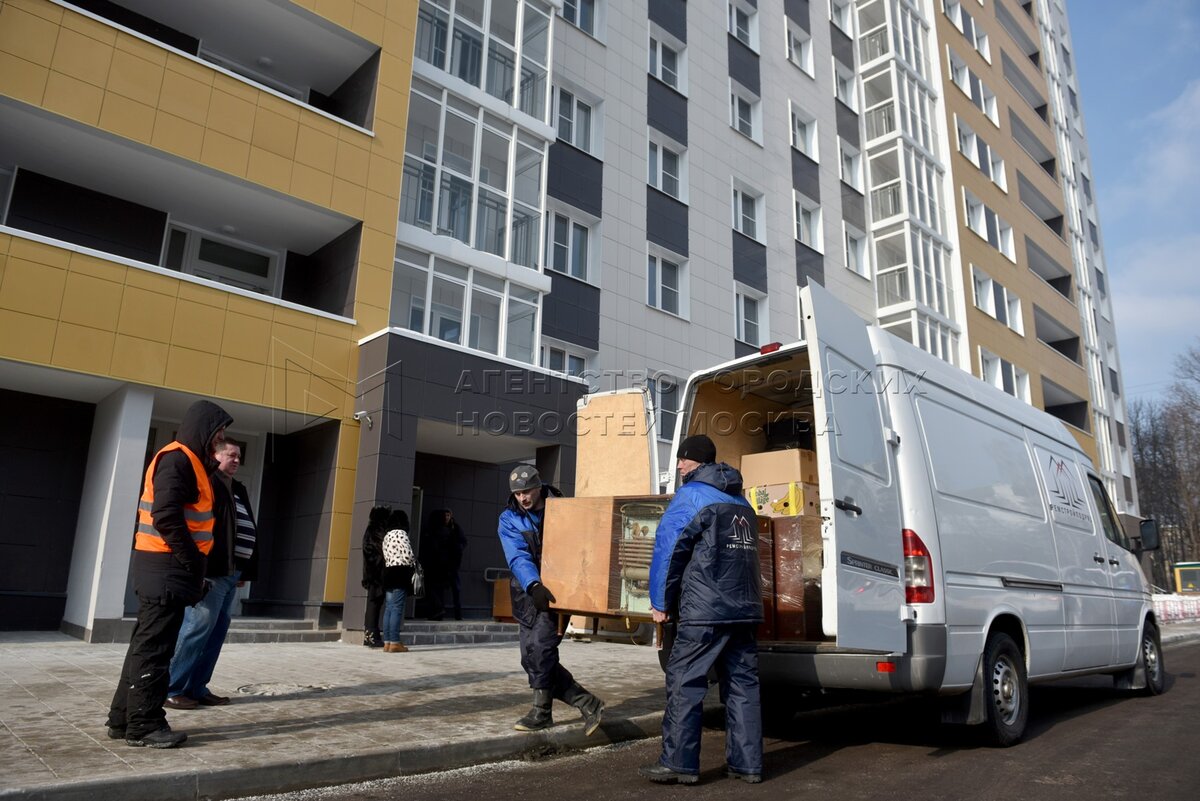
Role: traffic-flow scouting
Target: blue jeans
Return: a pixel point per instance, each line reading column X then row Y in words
column 393, row 614
column 201, row 638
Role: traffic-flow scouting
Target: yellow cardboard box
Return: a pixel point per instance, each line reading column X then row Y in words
column 784, row 500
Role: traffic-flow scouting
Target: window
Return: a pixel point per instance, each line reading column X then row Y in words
column 804, row 132
column 851, row 164
column 746, row 212
column 1004, row 375
column 743, row 112
column 841, row 14
column 581, row 14
column 992, row 298
column 220, row 258
column 845, row 86
column 664, row 392
column 856, row 251
column 563, row 361
column 665, row 170
column 966, row 25
column 750, row 315
column 567, row 248
column 743, row 23
column 799, row 47
column 808, row 221
column 664, row 284
column 981, row 155
column 989, row 225
column 574, row 119
column 966, row 80
column 667, row 62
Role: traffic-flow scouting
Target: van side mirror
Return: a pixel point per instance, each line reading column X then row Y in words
column 1148, row 531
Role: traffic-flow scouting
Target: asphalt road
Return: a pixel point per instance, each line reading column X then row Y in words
column 1084, row 741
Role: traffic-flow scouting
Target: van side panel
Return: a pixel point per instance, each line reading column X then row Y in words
column 995, row 541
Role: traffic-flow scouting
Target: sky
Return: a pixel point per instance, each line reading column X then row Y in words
column 1138, row 66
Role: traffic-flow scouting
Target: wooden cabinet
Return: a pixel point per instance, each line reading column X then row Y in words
column 596, row 552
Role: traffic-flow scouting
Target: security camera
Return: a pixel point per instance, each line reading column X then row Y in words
column 363, row 416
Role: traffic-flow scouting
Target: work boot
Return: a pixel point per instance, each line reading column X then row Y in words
column 591, row 707
column 371, row 639
column 539, row 715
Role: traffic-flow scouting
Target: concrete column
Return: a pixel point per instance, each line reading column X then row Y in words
column 107, row 514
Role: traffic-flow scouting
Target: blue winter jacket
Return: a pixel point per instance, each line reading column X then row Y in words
column 705, row 562
column 521, row 537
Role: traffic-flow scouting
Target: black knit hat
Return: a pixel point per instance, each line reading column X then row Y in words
column 524, row 478
column 698, row 448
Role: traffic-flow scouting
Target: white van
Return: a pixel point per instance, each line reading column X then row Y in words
column 969, row 547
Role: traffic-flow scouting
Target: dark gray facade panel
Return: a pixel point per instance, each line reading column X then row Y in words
column 666, row 110
column 60, row 210
column 749, row 262
column 354, row 100
column 810, row 266
column 43, row 461
column 847, row 123
column 571, row 312
column 325, row 279
column 741, row 349
column 671, row 16
column 743, row 65
column 806, row 176
column 853, row 207
column 666, row 221
column 843, row 46
column 797, row 11
column 575, row 177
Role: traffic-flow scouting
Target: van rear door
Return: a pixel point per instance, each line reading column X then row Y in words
column 862, row 579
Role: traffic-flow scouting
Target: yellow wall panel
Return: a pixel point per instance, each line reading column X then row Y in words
column 269, row 169
column 39, row 252
column 198, row 326
column 381, row 211
column 73, row 98
column 192, row 370
column 26, row 35
column 22, row 80
column 335, row 580
column 292, row 317
column 194, row 293
column 97, row 268
column 146, row 314
column 142, row 49
column 374, row 284
column 246, row 338
column 225, row 152
column 330, row 357
column 231, row 114
column 140, row 360
column 40, row 8
column 135, row 77
column 275, row 133
column 348, row 436
column 384, row 175
column 312, row 185
column 81, row 56
column 241, row 380
column 87, row 350
column 93, row 29
column 26, row 337
column 277, row 105
column 286, row 389
column 338, row 12
column 367, row 23
column 145, row 279
column 316, row 148
column 185, row 97
column 291, row 347
column 91, row 301
column 343, row 490
column 239, row 304
column 32, row 288
column 352, row 163
column 348, row 198
column 324, row 399
column 128, row 118
column 177, row 135
column 195, row 70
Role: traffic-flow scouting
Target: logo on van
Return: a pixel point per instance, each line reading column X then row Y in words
column 742, row 536
column 1064, row 493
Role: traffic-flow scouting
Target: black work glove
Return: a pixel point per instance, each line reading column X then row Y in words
column 541, row 597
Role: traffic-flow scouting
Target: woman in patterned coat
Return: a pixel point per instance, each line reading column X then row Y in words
column 399, row 564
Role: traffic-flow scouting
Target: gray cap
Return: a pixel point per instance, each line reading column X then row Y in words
column 524, row 477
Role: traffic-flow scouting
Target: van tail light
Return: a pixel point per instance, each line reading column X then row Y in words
column 770, row 347
column 918, row 570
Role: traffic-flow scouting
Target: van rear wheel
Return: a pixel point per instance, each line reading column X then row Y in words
column 1007, row 690
column 1152, row 660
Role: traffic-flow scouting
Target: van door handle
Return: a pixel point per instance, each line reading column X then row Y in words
column 847, row 505
column 1114, row 562
column 1097, row 558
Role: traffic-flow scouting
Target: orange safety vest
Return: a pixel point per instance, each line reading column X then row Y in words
column 199, row 515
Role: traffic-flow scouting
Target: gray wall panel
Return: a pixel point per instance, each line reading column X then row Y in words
column 743, row 65
column 810, row 266
column 749, row 262
column 847, row 123
column 575, row 177
column 571, row 311
column 666, row 221
column 798, row 12
column 806, row 175
column 666, row 110
column 843, row 45
column 853, row 207
column 671, row 16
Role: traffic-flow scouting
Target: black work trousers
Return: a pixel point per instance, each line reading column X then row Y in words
column 540, row 638
column 137, row 705
column 375, row 596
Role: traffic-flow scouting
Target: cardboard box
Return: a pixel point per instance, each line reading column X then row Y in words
column 784, row 500
column 779, row 467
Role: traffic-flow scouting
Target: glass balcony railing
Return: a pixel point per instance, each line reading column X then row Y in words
column 873, row 45
column 881, row 121
column 893, row 288
column 887, row 201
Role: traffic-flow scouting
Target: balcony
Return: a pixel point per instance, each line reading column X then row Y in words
column 887, row 201
column 880, row 121
column 873, row 45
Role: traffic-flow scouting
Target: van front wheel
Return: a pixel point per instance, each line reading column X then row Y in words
column 1007, row 690
column 1152, row 660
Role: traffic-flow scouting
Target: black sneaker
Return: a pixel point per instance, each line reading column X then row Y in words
column 159, row 738
column 116, row 732
column 661, row 774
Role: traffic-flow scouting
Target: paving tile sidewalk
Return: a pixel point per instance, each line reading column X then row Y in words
column 303, row 715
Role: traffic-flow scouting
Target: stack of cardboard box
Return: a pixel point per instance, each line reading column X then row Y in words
column 782, row 487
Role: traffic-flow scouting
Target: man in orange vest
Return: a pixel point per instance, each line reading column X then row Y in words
column 173, row 538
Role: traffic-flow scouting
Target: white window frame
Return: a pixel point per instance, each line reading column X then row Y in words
column 573, row 222
column 574, row 140
column 850, row 164
column 654, row 294
column 743, row 197
column 192, row 264
column 841, row 14
column 857, row 256
column 739, row 95
column 844, row 76
column 742, row 295
column 969, row 142
column 574, row 18
column 807, row 143
column 655, row 169
column 748, row 37
column 658, row 41
column 813, row 229
column 568, row 355
column 799, row 49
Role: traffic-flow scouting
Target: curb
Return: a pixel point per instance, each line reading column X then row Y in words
column 283, row 777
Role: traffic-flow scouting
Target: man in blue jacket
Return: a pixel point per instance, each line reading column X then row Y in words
column 520, row 531
column 704, row 575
